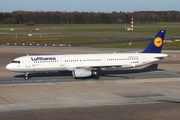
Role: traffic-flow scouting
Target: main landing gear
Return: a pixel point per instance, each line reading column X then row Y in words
column 26, row 77
column 95, row 75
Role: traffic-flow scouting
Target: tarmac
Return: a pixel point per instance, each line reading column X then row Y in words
column 120, row 95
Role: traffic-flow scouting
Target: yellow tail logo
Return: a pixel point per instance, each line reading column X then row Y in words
column 158, row 42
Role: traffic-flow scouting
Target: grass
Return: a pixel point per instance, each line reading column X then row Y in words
column 124, row 45
column 141, row 45
column 53, row 39
column 91, row 33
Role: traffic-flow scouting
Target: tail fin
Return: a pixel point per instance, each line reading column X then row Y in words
column 156, row 44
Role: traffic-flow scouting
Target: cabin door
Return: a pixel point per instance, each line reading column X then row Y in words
column 62, row 62
column 103, row 60
column 27, row 62
column 145, row 59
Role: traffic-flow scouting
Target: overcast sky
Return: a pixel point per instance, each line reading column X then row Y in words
column 89, row 5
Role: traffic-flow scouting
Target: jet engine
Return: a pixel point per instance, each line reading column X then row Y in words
column 81, row 72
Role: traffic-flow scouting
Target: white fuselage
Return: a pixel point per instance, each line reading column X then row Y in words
column 42, row 63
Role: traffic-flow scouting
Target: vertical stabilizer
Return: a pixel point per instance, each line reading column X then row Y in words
column 156, row 44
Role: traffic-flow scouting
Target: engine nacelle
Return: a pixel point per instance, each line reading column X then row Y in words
column 81, row 72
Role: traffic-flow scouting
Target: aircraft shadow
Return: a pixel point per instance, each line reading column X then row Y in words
column 153, row 67
column 168, row 101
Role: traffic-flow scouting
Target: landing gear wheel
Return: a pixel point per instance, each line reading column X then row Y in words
column 26, row 77
column 96, row 76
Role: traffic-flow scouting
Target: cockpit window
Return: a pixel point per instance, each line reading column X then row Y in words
column 14, row 61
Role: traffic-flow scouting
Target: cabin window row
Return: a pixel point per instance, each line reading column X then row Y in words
column 123, row 59
column 45, row 61
column 83, row 60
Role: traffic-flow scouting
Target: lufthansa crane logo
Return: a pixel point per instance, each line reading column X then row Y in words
column 158, row 42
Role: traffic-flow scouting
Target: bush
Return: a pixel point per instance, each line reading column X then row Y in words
column 9, row 21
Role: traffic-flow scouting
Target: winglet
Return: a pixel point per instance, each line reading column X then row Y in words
column 156, row 44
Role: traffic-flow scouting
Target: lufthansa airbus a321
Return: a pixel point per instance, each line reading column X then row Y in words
column 87, row 65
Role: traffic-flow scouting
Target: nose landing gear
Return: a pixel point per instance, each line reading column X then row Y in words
column 26, row 77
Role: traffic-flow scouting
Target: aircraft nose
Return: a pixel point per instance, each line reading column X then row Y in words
column 9, row 67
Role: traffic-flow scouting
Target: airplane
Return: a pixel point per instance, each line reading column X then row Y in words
column 87, row 65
